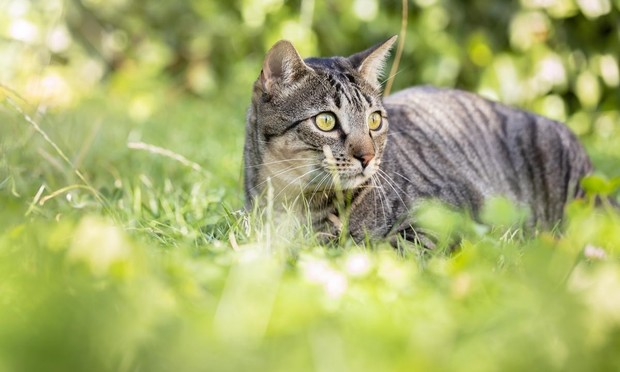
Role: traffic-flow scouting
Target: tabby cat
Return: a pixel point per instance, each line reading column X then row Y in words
column 319, row 135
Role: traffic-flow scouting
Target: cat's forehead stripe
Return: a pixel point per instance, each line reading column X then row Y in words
column 344, row 85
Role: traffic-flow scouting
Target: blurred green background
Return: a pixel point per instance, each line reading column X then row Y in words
column 121, row 131
column 556, row 57
column 559, row 57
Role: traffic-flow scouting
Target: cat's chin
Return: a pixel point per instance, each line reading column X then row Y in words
column 353, row 182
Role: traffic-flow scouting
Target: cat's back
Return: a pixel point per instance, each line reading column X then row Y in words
column 462, row 149
column 453, row 111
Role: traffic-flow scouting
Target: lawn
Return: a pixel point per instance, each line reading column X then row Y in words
column 122, row 248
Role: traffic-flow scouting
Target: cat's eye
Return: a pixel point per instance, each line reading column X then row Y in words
column 325, row 121
column 374, row 121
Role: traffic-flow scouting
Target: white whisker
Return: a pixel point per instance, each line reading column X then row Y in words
column 286, row 170
column 293, row 181
column 276, row 162
column 403, row 177
column 326, row 177
column 391, row 183
column 382, row 198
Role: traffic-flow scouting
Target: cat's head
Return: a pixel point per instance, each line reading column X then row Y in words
column 316, row 124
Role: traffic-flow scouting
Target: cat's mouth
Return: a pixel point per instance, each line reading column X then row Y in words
column 345, row 174
column 353, row 181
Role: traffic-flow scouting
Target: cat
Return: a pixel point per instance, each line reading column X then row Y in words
column 319, row 134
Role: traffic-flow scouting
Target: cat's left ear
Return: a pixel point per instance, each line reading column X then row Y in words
column 370, row 62
column 282, row 67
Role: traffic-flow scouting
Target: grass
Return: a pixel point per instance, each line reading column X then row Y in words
column 121, row 249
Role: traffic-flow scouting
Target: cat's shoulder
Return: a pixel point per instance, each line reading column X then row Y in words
column 432, row 94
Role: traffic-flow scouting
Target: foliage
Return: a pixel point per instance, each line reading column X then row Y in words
column 81, row 295
column 121, row 247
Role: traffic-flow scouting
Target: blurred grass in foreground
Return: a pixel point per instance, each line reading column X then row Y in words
column 82, row 294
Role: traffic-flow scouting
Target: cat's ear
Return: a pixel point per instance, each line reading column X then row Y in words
column 282, row 66
column 370, row 62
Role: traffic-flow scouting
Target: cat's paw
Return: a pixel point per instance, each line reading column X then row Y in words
column 330, row 231
column 327, row 239
column 337, row 224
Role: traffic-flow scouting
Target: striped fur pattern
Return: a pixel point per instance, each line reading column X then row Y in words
column 431, row 143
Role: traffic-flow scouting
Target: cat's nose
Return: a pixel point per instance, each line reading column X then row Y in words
column 364, row 158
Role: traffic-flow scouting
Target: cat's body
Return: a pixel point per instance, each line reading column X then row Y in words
column 317, row 133
column 462, row 149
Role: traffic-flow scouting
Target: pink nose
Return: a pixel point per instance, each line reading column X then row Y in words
column 364, row 159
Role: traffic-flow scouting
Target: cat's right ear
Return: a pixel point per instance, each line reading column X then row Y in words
column 282, row 66
column 370, row 62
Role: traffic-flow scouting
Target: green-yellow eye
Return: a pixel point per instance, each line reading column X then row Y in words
column 374, row 121
column 325, row 121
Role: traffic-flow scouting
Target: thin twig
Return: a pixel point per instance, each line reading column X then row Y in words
column 56, row 148
column 167, row 153
column 233, row 241
column 61, row 191
column 35, row 200
column 37, row 128
column 399, row 49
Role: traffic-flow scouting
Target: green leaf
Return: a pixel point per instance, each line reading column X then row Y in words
column 599, row 185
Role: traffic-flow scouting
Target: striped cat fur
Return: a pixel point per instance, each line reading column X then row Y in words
column 319, row 134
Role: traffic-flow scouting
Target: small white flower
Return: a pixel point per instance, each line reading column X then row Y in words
column 335, row 284
column 594, row 253
column 358, row 265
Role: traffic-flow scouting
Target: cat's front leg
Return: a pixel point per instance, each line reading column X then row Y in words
column 409, row 233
